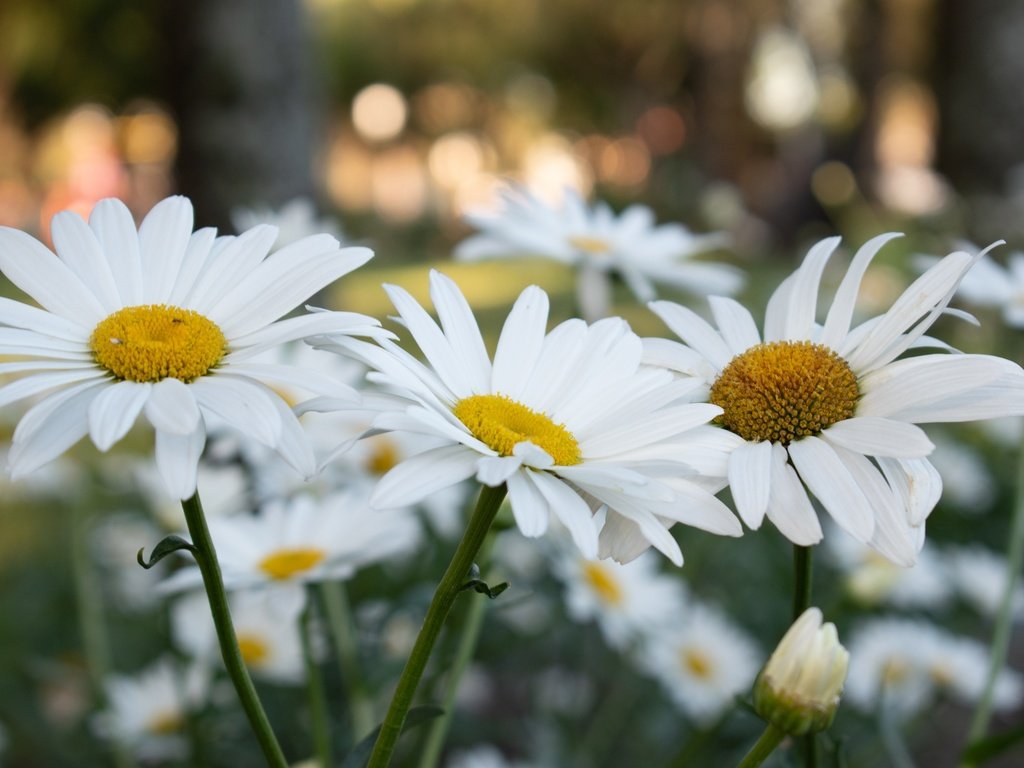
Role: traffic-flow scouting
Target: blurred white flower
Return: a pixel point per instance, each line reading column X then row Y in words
column 978, row 576
column 967, row 481
column 703, row 660
column 294, row 220
column 224, row 487
column 627, row 601
column 901, row 664
column 147, row 712
column 266, row 625
column 990, row 284
column 483, row 757
column 115, row 541
column 597, row 242
column 303, row 540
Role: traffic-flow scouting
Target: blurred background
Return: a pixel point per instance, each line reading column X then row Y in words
column 777, row 122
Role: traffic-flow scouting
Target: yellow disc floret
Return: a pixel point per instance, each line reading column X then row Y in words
column 287, row 562
column 501, row 423
column 697, row 663
column 155, row 341
column 594, row 245
column 784, row 390
column 597, row 575
column 253, row 648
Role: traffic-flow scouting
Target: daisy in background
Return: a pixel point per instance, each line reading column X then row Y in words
column 833, row 408
column 302, row 540
column 975, row 572
column 165, row 322
column 703, row 661
column 294, row 220
column 570, row 420
column 598, row 243
column 989, row 284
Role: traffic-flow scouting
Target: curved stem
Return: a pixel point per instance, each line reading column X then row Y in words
column 1004, row 617
column 770, row 739
column 319, row 720
column 444, row 596
column 206, row 558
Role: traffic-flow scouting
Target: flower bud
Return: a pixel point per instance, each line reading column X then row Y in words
column 799, row 688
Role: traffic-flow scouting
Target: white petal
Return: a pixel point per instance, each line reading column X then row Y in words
column 78, row 247
column 245, row 405
column 28, row 386
column 533, row 455
column 554, row 365
column 750, row 470
column 529, row 507
column 829, row 480
column 459, row 325
column 734, row 323
column 520, row 343
column 660, row 425
column 917, row 482
column 200, row 245
column 51, row 427
column 177, row 458
column 25, row 316
column 172, row 408
column 837, row 324
column 573, row 511
column 230, row 260
column 419, row 476
column 495, row 470
column 666, row 353
column 163, row 237
column 697, row 507
column 32, row 267
column 803, row 295
column 788, row 506
column 874, row 436
column 115, row 229
column 695, row 331
column 114, row 411
column 293, row 444
column 777, row 311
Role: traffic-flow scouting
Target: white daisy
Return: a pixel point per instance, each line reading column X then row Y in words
column 161, row 321
column 979, row 576
column 569, row 420
column 703, row 661
column 148, row 712
column 302, row 540
column 989, row 284
column 295, row 220
column 266, row 625
column 597, row 242
column 627, row 601
column 832, row 407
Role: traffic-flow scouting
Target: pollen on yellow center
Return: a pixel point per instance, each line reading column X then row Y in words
column 253, row 648
column 151, row 342
column 165, row 723
column 603, row 583
column 594, row 245
column 501, row 423
column 286, row 562
column 697, row 663
column 782, row 391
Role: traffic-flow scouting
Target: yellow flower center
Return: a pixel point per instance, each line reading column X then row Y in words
column 592, row 245
column 894, row 671
column 784, row 390
column 253, row 648
column 165, row 723
column 383, row 456
column 155, row 341
column 285, row 563
column 697, row 663
column 501, row 423
column 602, row 582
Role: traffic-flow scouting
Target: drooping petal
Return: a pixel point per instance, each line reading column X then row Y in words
column 788, row 506
column 177, row 458
column 419, row 476
column 51, row 427
column 829, row 480
column 172, row 408
column 529, row 507
column 241, row 403
column 572, row 510
column 113, row 412
column 750, row 471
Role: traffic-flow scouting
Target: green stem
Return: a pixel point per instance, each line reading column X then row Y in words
column 444, row 596
column 609, row 718
column 92, row 622
column 472, row 625
column 803, row 571
column 206, row 558
column 1004, row 617
column 342, row 627
column 315, row 690
column 770, row 739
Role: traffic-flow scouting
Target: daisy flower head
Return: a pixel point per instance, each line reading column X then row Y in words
column 597, row 241
column 570, row 420
column 835, row 408
column 162, row 321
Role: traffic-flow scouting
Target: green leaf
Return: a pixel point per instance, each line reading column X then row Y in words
column 360, row 754
column 481, row 586
column 163, row 549
column 991, row 746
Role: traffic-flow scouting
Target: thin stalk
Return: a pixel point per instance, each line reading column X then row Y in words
column 472, row 625
column 444, row 596
column 319, row 720
column 342, row 629
column 1004, row 618
column 803, row 571
column 92, row 622
column 609, row 719
column 206, row 558
column 770, row 739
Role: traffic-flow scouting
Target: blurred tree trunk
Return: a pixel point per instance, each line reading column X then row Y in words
column 239, row 87
column 979, row 71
